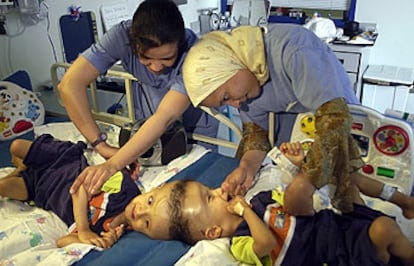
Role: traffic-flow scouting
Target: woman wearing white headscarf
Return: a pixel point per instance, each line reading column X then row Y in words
column 286, row 70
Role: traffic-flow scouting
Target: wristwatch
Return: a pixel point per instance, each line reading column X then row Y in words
column 101, row 138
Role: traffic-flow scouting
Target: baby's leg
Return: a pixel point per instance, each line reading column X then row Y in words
column 13, row 187
column 18, row 150
column 373, row 188
column 389, row 240
column 298, row 197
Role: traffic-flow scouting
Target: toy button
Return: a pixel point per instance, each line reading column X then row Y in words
column 368, row 169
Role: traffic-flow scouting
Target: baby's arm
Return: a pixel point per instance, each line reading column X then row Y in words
column 85, row 234
column 110, row 238
column 263, row 239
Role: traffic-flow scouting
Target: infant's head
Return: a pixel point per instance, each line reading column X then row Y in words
column 149, row 213
column 198, row 213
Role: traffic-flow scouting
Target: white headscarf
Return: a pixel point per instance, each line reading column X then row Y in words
column 219, row 55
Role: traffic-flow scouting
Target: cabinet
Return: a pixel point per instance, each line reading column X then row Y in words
column 355, row 61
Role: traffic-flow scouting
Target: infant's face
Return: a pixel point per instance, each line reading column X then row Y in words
column 205, row 205
column 148, row 213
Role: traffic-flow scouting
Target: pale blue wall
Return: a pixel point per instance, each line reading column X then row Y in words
column 395, row 27
column 31, row 49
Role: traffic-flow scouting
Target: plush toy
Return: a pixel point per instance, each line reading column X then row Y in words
column 20, row 110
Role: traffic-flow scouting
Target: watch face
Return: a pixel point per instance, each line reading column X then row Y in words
column 103, row 136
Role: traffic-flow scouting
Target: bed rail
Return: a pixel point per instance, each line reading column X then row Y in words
column 123, row 120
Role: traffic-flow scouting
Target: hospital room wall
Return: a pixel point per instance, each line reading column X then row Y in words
column 31, row 49
column 28, row 47
column 395, row 27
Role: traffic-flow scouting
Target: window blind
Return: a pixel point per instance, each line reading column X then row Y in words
column 314, row 4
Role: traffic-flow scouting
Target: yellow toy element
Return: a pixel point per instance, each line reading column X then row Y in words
column 307, row 125
column 306, row 144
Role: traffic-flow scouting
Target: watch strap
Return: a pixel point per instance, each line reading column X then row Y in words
column 101, row 138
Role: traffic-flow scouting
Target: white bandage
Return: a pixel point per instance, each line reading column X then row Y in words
column 239, row 209
column 387, row 192
column 279, row 159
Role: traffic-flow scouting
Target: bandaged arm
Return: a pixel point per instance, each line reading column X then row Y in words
column 284, row 163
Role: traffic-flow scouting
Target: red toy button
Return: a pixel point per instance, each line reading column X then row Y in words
column 368, row 169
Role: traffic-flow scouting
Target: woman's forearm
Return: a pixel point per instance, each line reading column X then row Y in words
column 252, row 161
column 170, row 109
column 73, row 91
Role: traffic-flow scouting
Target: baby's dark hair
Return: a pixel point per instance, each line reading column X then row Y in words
column 155, row 23
column 179, row 225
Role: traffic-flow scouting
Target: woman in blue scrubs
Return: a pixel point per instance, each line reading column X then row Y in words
column 286, row 69
column 151, row 47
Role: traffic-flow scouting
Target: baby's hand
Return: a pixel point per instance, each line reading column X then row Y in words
column 293, row 151
column 90, row 237
column 113, row 235
column 237, row 205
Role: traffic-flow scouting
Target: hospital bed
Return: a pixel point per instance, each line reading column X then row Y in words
column 28, row 234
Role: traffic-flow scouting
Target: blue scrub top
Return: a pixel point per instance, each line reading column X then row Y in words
column 304, row 73
column 114, row 46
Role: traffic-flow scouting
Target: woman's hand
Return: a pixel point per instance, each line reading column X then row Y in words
column 241, row 179
column 92, row 178
column 237, row 182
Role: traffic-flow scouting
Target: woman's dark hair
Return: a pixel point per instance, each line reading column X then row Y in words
column 179, row 228
column 155, row 23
